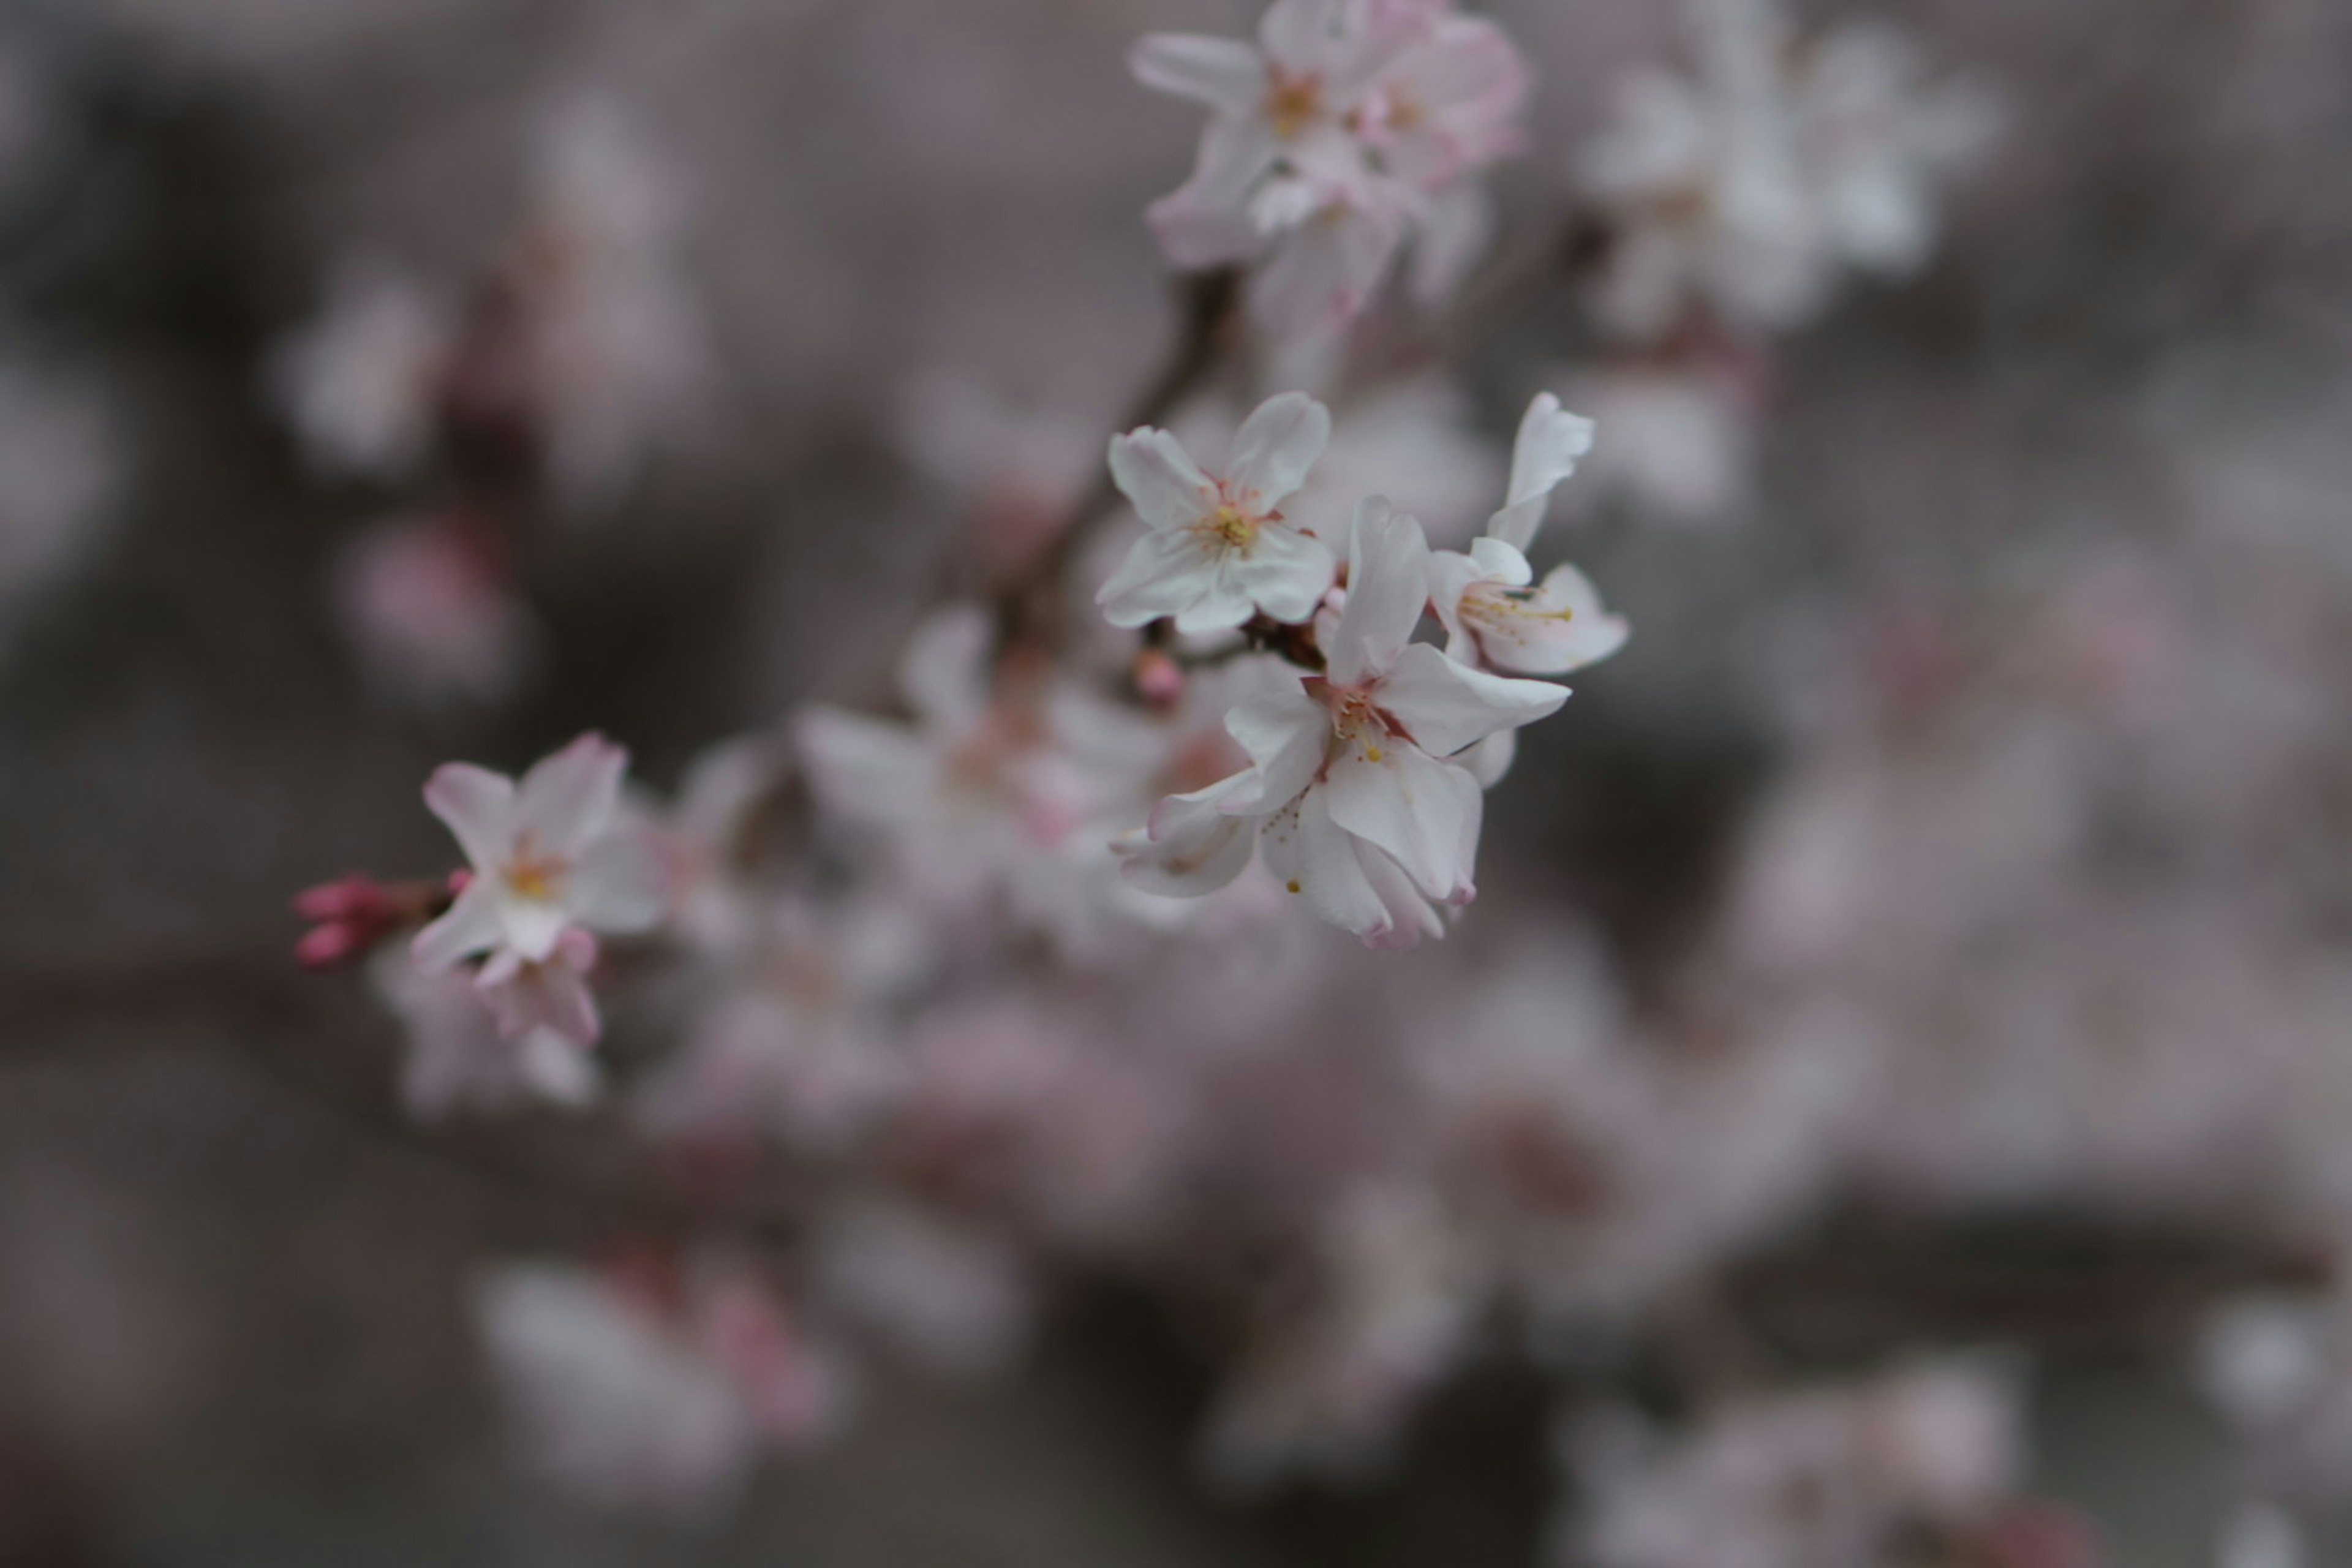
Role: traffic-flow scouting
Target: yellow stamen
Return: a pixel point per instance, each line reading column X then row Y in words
column 1295, row 102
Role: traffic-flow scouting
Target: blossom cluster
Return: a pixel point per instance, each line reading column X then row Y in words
column 1009, row 981
column 1350, row 132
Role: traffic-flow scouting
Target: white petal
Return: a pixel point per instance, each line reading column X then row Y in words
column 472, row 925
column 478, row 807
column 1387, row 588
column 1159, row 479
column 1500, row 562
column 944, row 670
column 1165, row 572
column 1284, row 733
column 569, row 798
column 533, row 928
column 1424, row 812
column 1324, row 271
column 1491, row 758
column 1313, row 856
column 1286, row 572
column 1221, row 604
column 1445, row 705
column 620, row 883
column 1298, row 35
column 1191, row 849
column 1223, row 73
column 1410, row 916
column 1450, row 573
column 1565, row 629
column 1274, row 448
column 1551, row 442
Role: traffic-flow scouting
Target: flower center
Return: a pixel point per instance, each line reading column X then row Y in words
column 534, row 875
column 1358, row 724
column 1230, row 527
column 1293, row 103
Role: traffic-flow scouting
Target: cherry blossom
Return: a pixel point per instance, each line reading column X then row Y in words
column 1218, row 550
column 1750, row 188
column 1491, row 614
column 358, row 385
column 1347, row 130
column 460, row 1059
column 654, row 1392
column 1356, row 806
column 551, row 854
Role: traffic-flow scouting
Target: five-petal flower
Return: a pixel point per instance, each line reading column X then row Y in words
column 1219, row 550
column 1494, row 611
column 550, row 855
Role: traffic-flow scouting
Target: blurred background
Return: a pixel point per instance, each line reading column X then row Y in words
column 1979, row 748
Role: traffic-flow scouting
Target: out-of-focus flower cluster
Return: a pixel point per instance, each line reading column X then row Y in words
column 1008, row 983
column 533, row 392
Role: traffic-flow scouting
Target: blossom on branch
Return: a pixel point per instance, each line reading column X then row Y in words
column 1491, row 615
column 1749, row 189
column 550, row 856
column 1219, row 550
column 1351, row 793
column 1349, row 129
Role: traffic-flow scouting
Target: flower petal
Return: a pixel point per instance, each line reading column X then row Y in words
column 1191, row 849
column 473, row 925
column 478, row 807
column 569, row 798
column 1221, row 604
column 1274, row 448
column 1313, row 856
column 1324, row 271
column 1563, row 628
column 1299, row 35
column 1424, row 812
column 1551, row 442
column 1286, row 572
column 1164, row 572
column 1159, row 479
column 1387, row 588
column 1491, row 758
column 1410, row 916
column 1284, row 733
column 1445, row 705
column 1226, row 74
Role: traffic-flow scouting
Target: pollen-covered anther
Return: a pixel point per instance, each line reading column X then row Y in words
column 533, row 874
column 1230, row 526
column 1293, row 103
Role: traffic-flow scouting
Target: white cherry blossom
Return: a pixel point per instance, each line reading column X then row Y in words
column 1218, row 550
column 1350, row 792
column 550, row 855
column 1347, row 130
column 1492, row 614
column 1751, row 186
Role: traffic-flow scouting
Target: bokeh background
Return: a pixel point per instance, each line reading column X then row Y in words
column 1999, row 724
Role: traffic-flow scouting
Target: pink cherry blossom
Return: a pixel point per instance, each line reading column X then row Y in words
column 551, row 854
